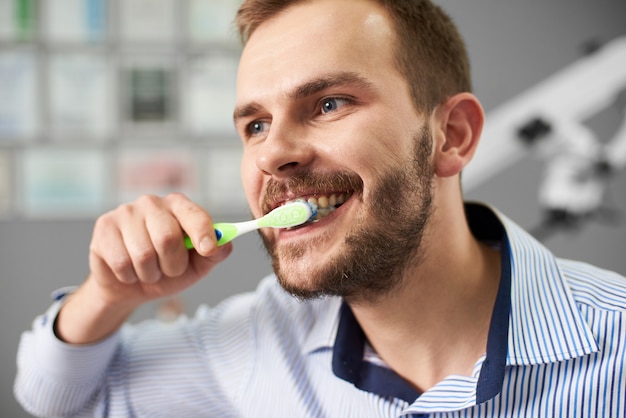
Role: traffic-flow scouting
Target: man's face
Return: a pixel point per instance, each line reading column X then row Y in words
column 324, row 114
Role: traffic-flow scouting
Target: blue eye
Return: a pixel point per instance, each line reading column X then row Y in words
column 257, row 127
column 332, row 103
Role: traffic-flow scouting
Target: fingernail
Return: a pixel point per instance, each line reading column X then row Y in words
column 205, row 245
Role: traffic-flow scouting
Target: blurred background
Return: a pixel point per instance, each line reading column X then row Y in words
column 103, row 100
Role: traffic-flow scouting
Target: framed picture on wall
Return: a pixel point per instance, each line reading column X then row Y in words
column 80, row 97
column 63, row 183
column 18, row 20
column 209, row 95
column 75, row 21
column 210, row 21
column 158, row 170
column 19, row 112
column 148, row 21
column 149, row 85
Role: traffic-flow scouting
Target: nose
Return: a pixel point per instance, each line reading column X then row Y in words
column 284, row 151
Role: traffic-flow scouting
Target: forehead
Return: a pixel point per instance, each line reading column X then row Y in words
column 313, row 38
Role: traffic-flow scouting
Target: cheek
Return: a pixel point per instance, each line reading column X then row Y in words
column 383, row 138
column 381, row 153
column 357, row 147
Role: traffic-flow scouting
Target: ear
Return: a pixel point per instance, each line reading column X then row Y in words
column 458, row 125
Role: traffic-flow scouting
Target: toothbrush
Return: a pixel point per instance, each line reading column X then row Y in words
column 286, row 216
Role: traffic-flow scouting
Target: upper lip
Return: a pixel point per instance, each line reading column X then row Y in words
column 280, row 200
column 303, row 195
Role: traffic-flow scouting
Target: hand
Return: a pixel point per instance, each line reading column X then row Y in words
column 138, row 254
column 137, row 251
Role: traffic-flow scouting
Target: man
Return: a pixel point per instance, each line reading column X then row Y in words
column 408, row 302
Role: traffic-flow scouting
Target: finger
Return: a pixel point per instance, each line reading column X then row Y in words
column 107, row 245
column 196, row 222
column 167, row 241
column 142, row 253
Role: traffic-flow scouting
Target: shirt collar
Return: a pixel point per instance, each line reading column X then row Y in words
column 544, row 324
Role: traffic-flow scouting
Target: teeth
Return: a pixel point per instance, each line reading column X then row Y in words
column 326, row 204
column 329, row 202
column 323, row 212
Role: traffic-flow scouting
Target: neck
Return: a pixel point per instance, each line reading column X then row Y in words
column 437, row 323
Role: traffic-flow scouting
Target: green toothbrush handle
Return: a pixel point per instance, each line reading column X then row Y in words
column 224, row 232
column 286, row 216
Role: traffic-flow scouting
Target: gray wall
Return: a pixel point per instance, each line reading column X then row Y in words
column 513, row 45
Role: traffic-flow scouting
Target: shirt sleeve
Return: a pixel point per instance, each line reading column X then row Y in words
column 55, row 378
column 195, row 366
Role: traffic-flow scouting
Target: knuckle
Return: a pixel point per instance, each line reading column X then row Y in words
column 104, row 222
column 147, row 200
column 123, row 210
column 168, row 241
column 144, row 255
column 120, row 265
column 180, row 202
column 175, row 197
column 103, row 231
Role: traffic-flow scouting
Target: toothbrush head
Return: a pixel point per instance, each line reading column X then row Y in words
column 289, row 215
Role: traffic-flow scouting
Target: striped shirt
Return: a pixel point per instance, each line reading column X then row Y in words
column 556, row 348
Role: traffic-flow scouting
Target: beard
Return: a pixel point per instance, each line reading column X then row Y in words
column 382, row 242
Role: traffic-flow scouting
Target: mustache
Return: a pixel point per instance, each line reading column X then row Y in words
column 310, row 182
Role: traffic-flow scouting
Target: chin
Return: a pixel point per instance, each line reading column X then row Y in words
column 299, row 287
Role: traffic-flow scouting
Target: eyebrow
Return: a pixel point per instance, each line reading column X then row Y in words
column 310, row 88
column 245, row 111
column 324, row 82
